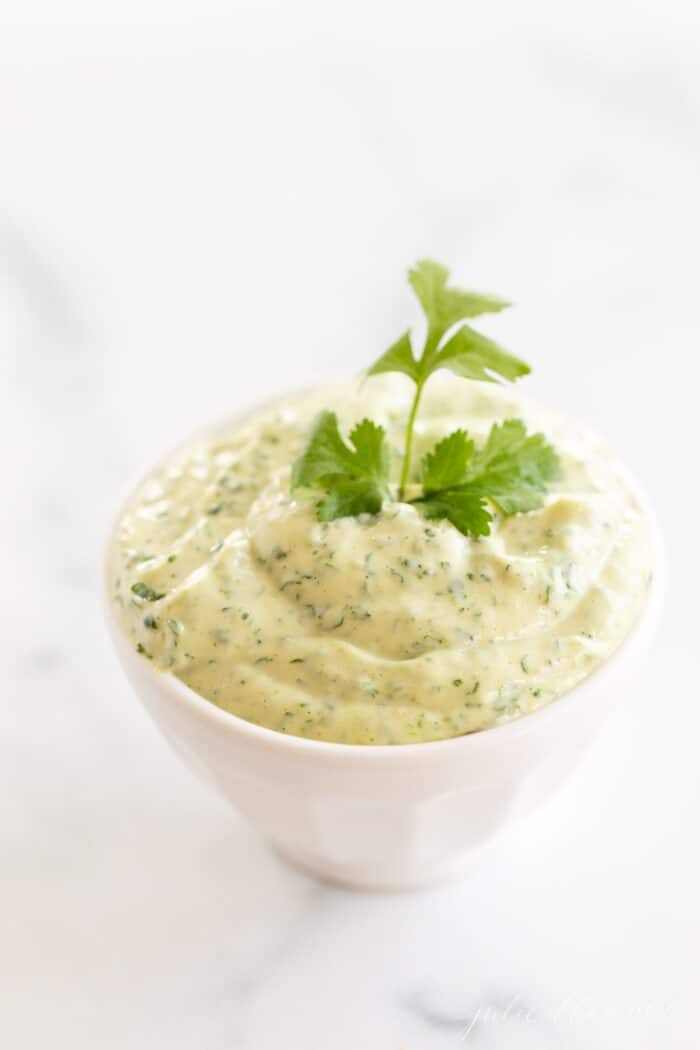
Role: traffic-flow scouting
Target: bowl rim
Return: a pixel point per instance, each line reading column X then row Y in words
column 262, row 736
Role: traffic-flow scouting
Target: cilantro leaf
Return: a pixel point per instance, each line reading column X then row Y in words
column 348, row 497
column 511, row 471
column 355, row 479
column 465, row 510
column 472, row 355
column 444, row 306
column 372, row 450
column 398, row 358
column 326, row 453
column 513, row 468
column 446, row 465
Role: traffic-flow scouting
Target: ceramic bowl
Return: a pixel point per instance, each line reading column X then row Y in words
column 388, row 817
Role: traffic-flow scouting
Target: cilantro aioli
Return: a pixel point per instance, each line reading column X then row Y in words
column 377, row 630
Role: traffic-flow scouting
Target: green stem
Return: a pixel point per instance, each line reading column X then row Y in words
column 431, row 343
column 406, row 469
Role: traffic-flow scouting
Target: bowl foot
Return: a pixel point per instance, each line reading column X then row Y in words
column 378, row 879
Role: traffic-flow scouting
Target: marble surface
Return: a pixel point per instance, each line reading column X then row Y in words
column 203, row 206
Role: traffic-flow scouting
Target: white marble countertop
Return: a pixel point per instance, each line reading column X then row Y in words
column 198, row 211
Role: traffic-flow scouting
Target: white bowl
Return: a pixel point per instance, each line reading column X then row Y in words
column 388, row 816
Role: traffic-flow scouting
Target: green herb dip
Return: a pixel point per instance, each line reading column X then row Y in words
column 377, row 630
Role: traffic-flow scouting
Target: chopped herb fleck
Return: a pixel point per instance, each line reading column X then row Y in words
column 141, row 590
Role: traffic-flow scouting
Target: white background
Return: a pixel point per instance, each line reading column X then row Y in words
column 201, row 204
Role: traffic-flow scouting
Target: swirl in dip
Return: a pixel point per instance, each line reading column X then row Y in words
column 377, row 630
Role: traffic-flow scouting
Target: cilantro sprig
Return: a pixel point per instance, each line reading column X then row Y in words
column 458, row 482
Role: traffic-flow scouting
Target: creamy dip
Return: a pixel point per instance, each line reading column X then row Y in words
column 377, row 630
